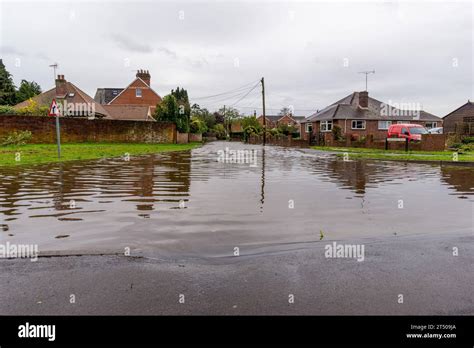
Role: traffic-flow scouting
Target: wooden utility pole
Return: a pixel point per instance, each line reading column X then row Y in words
column 225, row 121
column 264, row 116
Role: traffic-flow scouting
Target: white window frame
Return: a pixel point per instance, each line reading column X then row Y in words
column 389, row 123
column 363, row 123
column 307, row 125
column 434, row 124
column 138, row 92
column 327, row 124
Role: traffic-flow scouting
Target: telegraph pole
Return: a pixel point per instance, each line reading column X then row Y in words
column 366, row 73
column 226, row 122
column 264, row 117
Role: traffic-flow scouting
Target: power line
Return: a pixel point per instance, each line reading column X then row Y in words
column 245, row 94
column 226, row 97
column 223, row 93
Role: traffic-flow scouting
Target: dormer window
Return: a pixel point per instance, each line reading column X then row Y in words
column 138, row 93
column 71, row 95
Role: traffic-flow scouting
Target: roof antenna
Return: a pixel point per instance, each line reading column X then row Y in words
column 54, row 66
column 366, row 73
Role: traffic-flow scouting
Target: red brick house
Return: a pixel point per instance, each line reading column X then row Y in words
column 359, row 115
column 273, row 121
column 463, row 114
column 135, row 102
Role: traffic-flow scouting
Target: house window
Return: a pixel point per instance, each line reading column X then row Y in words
column 402, row 122
column 326, row 126
column 358, row 124
column 384, row 125
column 430, row 125
column 308, row 127
column 138, row 93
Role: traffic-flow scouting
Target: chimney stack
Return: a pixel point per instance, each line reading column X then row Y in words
column 364, row 99
column 61, row 89
column 145, row 76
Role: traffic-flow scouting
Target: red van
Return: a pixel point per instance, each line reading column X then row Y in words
column 406, row 130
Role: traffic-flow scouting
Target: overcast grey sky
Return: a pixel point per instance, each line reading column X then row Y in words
column 308, row 52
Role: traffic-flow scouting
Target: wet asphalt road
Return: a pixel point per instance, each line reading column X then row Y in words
column 421, row 268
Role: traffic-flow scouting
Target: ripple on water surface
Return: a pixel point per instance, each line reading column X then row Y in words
column 189, row 203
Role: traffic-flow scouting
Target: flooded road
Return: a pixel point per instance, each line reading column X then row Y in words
column 192, row 205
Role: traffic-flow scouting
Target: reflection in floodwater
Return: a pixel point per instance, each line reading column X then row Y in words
column 102, row 204
column 262, row 194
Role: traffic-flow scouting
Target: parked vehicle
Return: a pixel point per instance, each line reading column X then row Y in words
column 437, row 130
column 406, row 130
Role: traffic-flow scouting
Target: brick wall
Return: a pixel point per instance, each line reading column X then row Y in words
column 458, row 116
column 182, row 138
column 429, row 142
column 195, row 137
column 83, row 130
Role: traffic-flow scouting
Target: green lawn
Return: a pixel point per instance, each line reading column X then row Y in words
column 397, row 155
column 46, row 153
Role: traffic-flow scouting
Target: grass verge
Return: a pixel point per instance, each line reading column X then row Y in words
column 397, row 155
column 47, row 153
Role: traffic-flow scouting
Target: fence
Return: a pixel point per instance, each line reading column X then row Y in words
column 281, row 140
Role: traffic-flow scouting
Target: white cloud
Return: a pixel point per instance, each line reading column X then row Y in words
column 299, row 47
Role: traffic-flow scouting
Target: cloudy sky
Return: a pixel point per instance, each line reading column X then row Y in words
column 310, row 53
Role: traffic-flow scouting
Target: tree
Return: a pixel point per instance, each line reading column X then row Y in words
column 184, row 109
column 197, row 126
column 285, row 111
column 204, row 115
column 250, row 121
column 167, row 110
column 27, row 90
column 7, row 87
column 230, row 114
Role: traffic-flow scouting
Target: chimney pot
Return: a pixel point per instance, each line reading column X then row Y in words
column 144, row 75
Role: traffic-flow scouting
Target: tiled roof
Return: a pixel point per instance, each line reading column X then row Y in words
column 105, row 95
column 275, row 118
column 73, row 95
column 468, row 106
column 348, row 108
column 129, row 112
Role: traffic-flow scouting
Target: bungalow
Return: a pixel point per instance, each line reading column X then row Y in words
column 359, row 115
column 463, row 114
column 75, row 102
column 273, row 121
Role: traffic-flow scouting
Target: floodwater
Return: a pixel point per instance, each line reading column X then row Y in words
column 191, row 204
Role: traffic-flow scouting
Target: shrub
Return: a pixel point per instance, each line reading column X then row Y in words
column 337, row 132
column 6, row 110
column 468, row 140
column 219, row 130
column 16, row 138
column 33, row 109
column 197, row 126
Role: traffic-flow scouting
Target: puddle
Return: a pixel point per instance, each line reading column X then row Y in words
column 189, row 203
